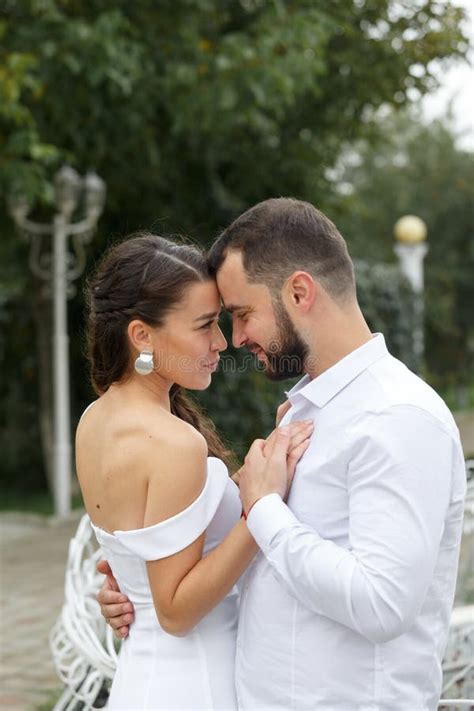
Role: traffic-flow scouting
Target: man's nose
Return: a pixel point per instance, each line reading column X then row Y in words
column 238, row 336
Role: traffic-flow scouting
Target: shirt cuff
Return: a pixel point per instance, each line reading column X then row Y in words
column 267, row 517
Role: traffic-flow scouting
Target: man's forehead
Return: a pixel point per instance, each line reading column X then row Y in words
column 231, row 280
column 232, row 268
column 237, row 292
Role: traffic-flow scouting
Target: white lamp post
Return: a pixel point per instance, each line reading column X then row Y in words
column 410, row 232
column 60, row 271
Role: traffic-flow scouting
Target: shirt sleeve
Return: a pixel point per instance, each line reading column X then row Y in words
column 399, row 483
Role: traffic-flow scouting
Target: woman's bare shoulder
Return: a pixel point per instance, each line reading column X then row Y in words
column 141, row 449
column 173, row 456
column 136, row 427
column 164, row 432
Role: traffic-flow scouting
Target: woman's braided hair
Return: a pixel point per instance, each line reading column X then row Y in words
column 143, row 277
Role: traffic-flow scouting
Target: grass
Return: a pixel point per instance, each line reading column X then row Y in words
column 53, row 697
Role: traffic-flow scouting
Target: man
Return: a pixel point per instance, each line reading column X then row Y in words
column 347, row 606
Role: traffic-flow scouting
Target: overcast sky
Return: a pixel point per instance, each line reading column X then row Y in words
column 457, row 85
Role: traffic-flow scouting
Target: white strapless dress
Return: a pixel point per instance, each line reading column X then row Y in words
column 156, row 670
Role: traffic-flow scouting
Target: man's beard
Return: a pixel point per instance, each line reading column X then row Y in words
column 287, row 353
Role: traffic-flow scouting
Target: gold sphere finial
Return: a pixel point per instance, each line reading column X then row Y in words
column 410, row 229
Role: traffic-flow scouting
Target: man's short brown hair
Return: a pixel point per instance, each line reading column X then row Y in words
column 283, row 235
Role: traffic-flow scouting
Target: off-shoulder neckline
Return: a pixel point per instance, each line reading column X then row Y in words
column 118, row 533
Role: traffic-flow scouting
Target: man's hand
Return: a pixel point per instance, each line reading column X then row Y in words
column 114, row 606
column 270, row 470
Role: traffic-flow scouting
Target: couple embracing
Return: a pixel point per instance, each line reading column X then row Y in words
column 319, row 575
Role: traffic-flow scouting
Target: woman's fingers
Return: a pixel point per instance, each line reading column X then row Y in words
column 298, row 426
column 281, row 411
column 300, row 435
column 256, row 451
column 294, row 457
column 294, row 429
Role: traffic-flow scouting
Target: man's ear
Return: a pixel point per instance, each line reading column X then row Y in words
column 139, row 335
column 300, row 291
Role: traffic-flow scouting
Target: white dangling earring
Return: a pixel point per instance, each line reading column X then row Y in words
column 144, row 363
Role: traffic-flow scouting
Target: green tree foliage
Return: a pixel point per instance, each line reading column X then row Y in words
column 191, row 111
column 205, row 103
column 420, row 169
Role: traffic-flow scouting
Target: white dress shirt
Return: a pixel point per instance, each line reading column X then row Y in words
column 347, row 606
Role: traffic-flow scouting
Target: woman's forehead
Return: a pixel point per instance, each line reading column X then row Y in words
column 201, row 297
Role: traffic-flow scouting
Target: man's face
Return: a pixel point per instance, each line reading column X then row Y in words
column 264, row 329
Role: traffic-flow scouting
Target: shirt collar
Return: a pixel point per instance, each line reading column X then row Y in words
column 323, row 388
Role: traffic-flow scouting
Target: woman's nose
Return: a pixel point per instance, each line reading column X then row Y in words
column 220, row 343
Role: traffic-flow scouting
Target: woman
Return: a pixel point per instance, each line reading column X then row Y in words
column 153, row 475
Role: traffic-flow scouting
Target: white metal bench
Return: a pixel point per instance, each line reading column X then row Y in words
column 82, row 644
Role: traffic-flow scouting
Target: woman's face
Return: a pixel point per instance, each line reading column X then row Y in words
column 186, row 348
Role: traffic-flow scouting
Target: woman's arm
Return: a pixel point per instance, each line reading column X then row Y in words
column 185, row 586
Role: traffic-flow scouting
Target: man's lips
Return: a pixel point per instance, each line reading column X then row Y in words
column 259, row 352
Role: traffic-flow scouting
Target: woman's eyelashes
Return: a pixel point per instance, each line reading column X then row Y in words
column 208, row 324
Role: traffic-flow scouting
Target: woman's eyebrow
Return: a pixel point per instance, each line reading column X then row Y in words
column 208, row 316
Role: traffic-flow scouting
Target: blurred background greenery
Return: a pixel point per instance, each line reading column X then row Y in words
column 191, row 111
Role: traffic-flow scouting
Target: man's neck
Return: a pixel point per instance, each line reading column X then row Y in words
column 336, row 340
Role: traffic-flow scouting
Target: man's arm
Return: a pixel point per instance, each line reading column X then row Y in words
column 399, row 484
column 114, row 605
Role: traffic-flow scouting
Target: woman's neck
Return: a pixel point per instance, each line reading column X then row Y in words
column 145, row 388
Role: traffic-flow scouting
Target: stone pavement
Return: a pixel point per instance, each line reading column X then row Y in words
column 33, row 552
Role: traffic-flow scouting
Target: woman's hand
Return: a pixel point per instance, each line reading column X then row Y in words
column 236, row 476
column 298, row 432
column 281, row 411
column 272, row 471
